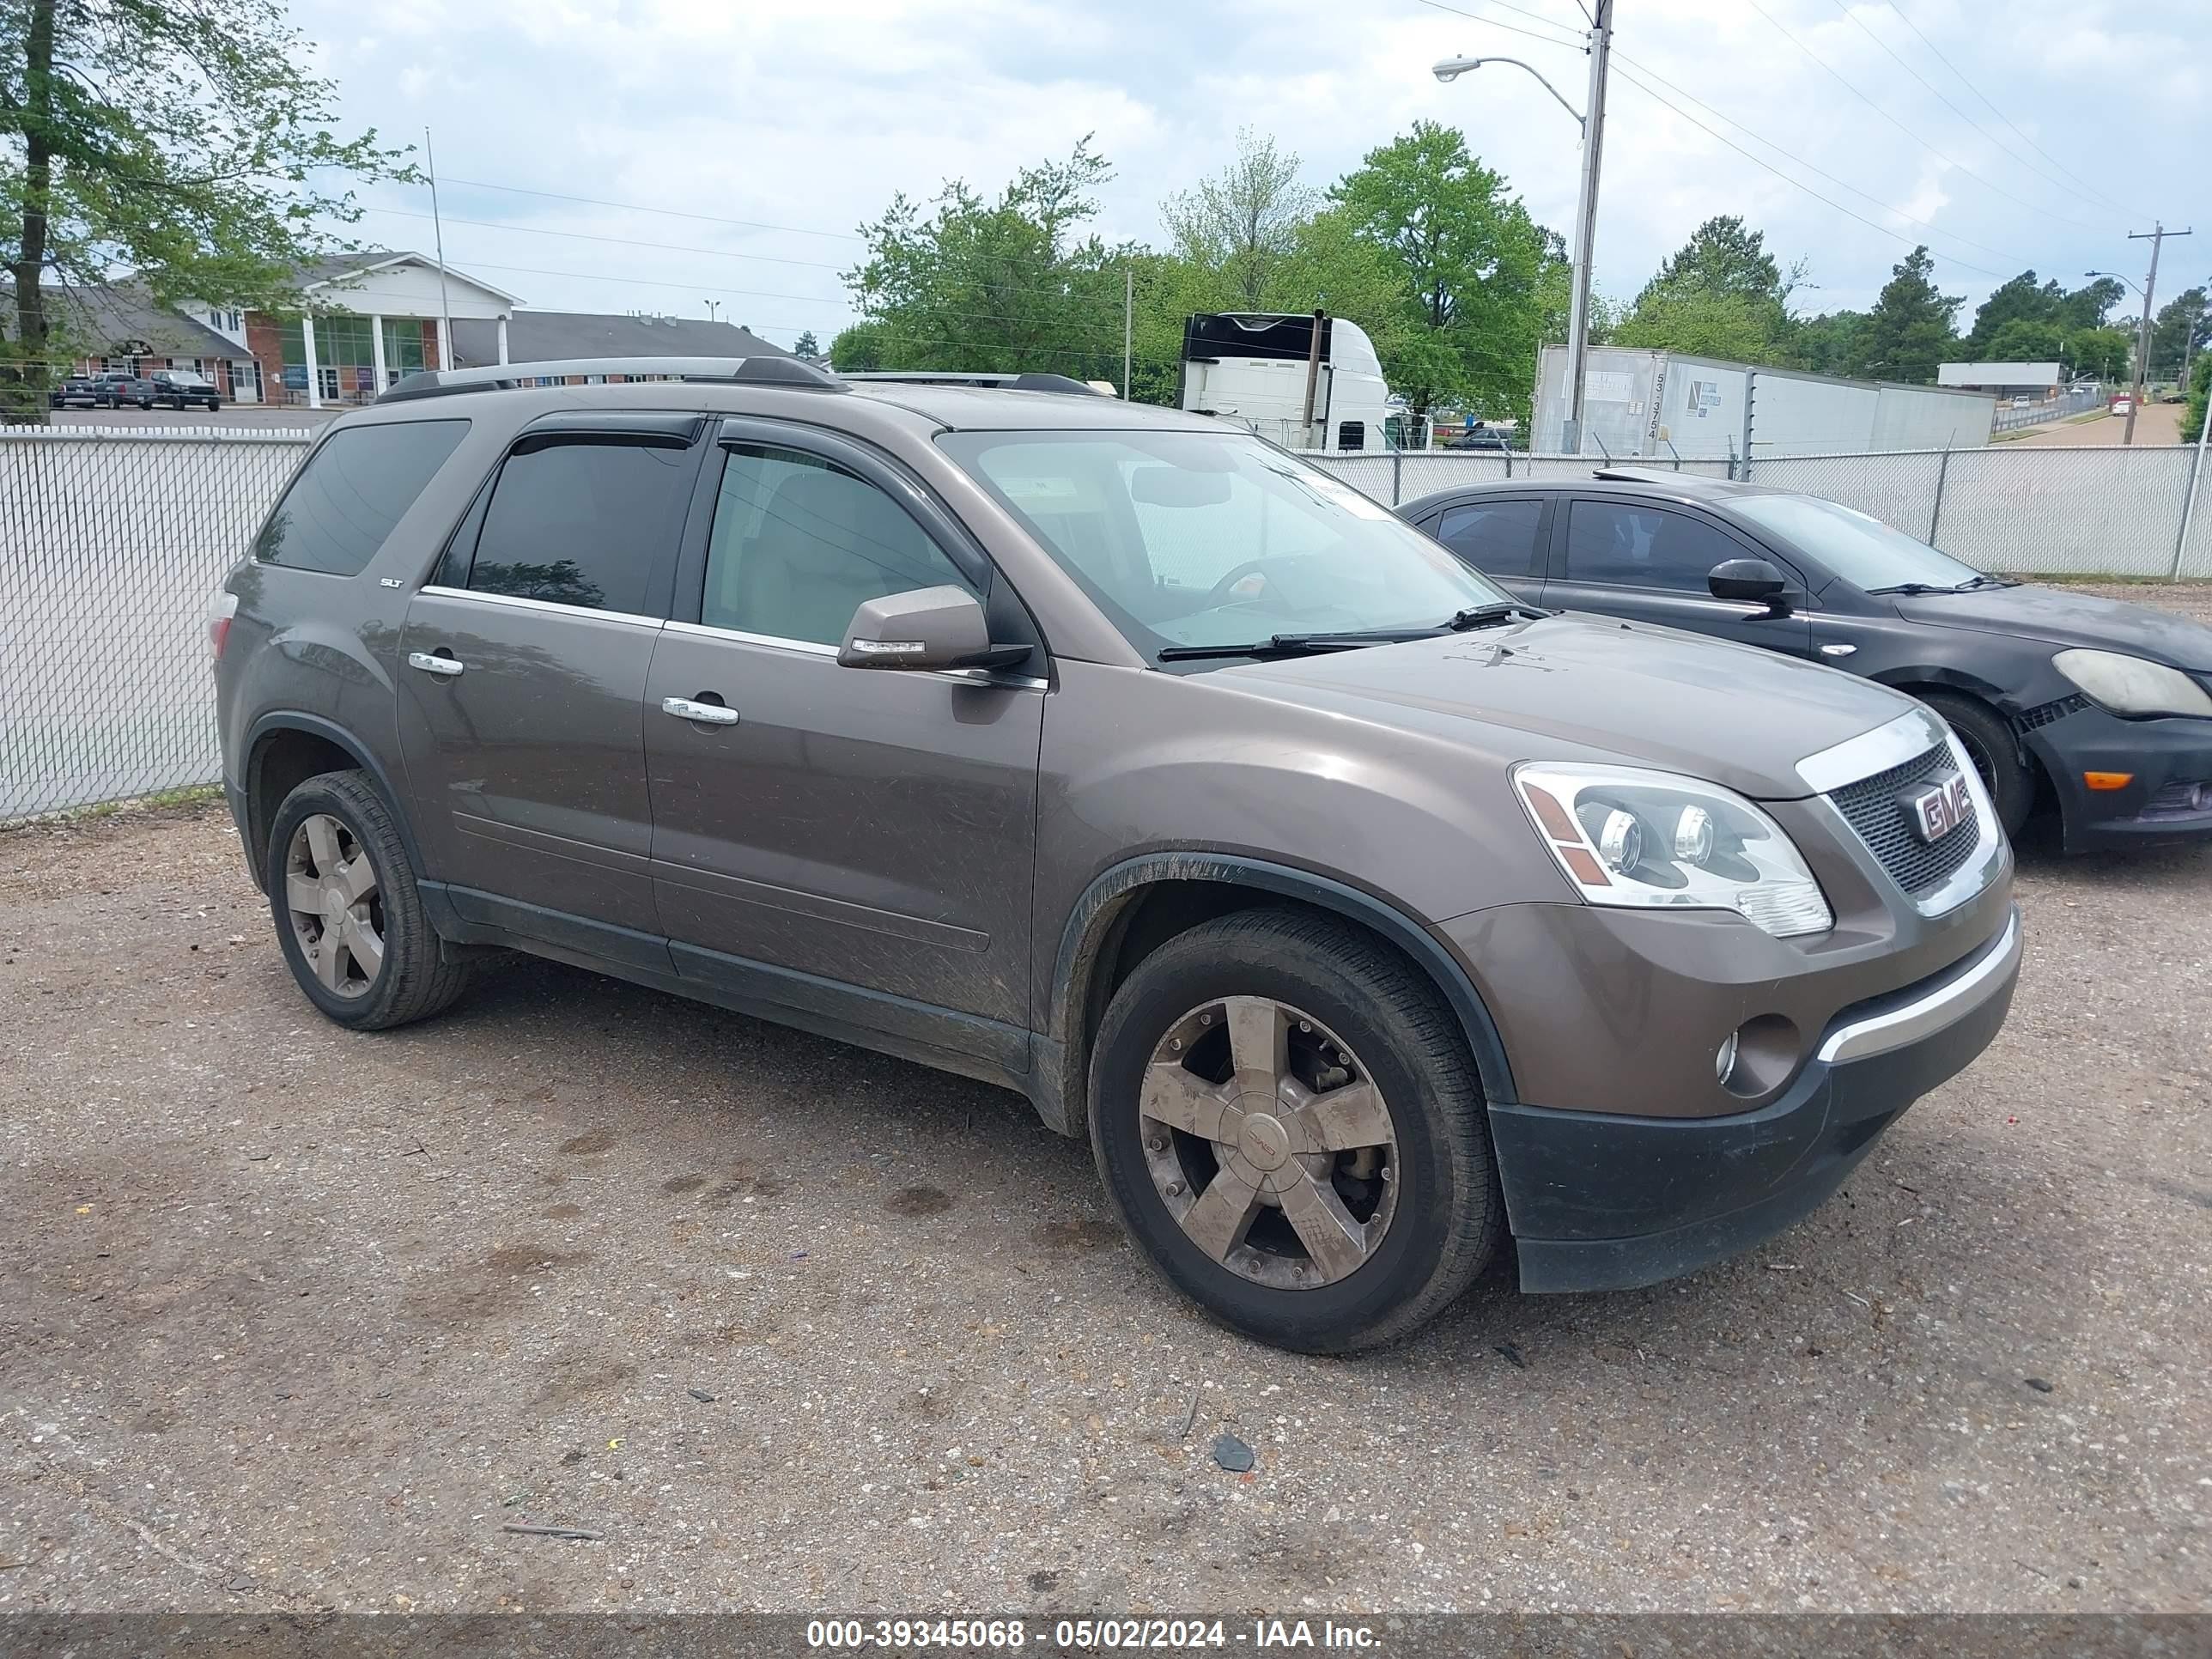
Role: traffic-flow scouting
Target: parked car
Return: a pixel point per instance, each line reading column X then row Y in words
column 116, row 389
column 73, row 391
column 2104, row 708
column 1355, row 912
column 181, row 388
column 2121, row 405
column 1477, row 437
column 2022, row 403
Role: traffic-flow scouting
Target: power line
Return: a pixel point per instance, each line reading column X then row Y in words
column 1977, row 93
column 672, row 213
column 2088, row 194
column 1847, row 212
column 1809, row 166
column 1510, row 29
column 1848, row 86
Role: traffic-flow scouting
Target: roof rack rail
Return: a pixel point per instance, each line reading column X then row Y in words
column 1024, row 381
column 728, row 371
column 1642, row 474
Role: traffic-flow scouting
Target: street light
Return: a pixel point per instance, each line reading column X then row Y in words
column 1592, row 128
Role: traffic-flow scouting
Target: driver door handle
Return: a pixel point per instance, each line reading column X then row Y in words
column 431, row 664
column 710, row 714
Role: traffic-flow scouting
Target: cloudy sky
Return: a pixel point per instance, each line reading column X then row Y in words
column 800, row 118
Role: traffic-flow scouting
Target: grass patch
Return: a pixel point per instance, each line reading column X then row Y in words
column 161, row 801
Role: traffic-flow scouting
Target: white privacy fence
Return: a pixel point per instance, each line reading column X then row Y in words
column 2034, row 511
column 112, row 541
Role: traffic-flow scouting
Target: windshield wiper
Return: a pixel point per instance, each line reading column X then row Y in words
column 1914, row 589
column 1984, row 580
column 1486, row 615
column 1288, row 644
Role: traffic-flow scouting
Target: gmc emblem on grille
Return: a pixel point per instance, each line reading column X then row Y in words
column 1938, row 806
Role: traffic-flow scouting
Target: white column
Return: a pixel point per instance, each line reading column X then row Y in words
column 376, row 351
column 444, row 337
column 502, row 337
column 315, row 378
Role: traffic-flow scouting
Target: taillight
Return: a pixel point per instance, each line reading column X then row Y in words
column 220, row 609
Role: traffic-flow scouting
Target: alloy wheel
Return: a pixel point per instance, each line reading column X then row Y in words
column 336, row 909
column 1269, row 1143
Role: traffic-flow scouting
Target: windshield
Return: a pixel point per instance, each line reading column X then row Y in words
column 1198, row 539
column 1864, row 551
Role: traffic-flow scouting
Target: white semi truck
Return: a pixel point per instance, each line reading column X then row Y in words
column 1306, row 381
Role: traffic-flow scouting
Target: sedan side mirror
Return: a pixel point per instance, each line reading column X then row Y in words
column 923, row 628
column 1751, row 580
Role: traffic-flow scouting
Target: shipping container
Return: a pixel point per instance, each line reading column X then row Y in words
column 1662, row 403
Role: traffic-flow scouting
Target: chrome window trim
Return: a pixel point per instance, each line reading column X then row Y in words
column 816, row 648
column 1924, row 1015
column 555, row 607
column 1908, row 737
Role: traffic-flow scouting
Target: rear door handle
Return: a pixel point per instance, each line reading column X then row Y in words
column 430, row 664
column 709, row 714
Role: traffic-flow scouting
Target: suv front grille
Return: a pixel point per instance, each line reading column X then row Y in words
column 1871, row 807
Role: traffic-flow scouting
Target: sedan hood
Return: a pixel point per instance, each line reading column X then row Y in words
column 2035, row 612
column 1576, row 687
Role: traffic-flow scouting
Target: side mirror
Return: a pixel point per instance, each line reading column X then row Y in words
column 924, row 628
column 1751, row 580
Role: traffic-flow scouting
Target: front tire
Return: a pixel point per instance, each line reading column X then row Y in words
column 1995, row 751
column 349, row 917
column 1290, row 1124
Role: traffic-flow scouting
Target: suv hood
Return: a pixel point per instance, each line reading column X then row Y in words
column 2062, row 618
column 1631, row 695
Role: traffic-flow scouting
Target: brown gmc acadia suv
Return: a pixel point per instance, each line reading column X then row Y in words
column 1356, row 913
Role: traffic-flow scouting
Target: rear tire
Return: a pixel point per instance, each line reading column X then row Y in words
column 349, row 917
column 1312, row 1250
column 1990, row 744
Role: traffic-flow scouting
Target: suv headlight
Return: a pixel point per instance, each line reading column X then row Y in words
column 1656, row 841
column 2121, row 684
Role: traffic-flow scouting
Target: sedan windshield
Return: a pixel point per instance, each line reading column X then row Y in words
column 1864, row 551
column 1191, row 539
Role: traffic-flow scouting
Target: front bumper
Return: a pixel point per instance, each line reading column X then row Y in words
column 2163, row 755
column 1603, row 1201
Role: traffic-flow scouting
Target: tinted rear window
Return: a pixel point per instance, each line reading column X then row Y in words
column 584, row 523
column 1497, row 537
column 354, row 489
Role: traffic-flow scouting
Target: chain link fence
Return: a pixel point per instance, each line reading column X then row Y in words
column 112, row 540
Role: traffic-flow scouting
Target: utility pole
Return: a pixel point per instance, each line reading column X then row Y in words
column 2155, row 236
column 438, row 229
column 1601, row 47
column 1129, row 315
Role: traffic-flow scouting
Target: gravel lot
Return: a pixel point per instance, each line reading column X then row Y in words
column 297, row 1318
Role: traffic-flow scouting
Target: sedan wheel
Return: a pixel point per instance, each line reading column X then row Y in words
column 335, row 908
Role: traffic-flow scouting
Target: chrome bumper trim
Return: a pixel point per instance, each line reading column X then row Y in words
column 1930, row 1012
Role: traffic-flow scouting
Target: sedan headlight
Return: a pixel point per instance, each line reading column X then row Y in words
column 2121, row 684
column 1654, row 841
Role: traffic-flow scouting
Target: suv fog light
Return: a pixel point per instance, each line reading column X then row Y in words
column 1724, row 1061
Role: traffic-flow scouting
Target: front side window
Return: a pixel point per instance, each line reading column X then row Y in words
column 798, row 544
column 352, row 490
column 1199, row 538
column 1497, row 537
column 1622, row 546
column 584, row 523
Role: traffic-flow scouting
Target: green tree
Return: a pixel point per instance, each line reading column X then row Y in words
column 1723, row 255
column 1243, row 222
column 180, row 139
column 2200, row 391
column 2023, row 300
column 2105, row 353
column 1468, row 267
column 2178, row 332
column 860, row 347
column 1002, row 285
column 1829, row 344
column 806, row 345
column 1909, row 332
column 1706, row 325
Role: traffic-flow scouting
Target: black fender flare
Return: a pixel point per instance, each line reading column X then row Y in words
column 293, row 719
column 1090, row 920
